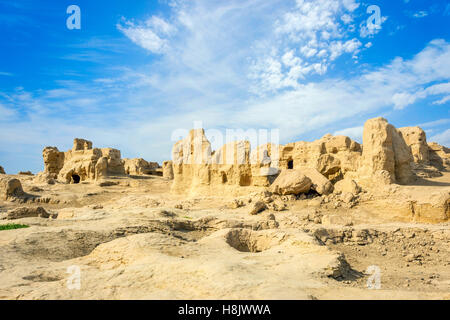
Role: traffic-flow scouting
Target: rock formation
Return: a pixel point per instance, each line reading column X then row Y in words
column 139, row 166
column 291, row 181
column 320, row 184
column 439, row 156
column 347, row 186
column 2, row 171
column 429, row 158
column 416, row 139
column 10, row 188
column 53, row 160
column 25, row 212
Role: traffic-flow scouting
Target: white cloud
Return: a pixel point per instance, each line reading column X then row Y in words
column 434, row 123
column 207, row 52
column 369, row 31
column 317, row 32
column 444, row 100
column 420, row 14
column 6, row 113
column 312, row 34
column 442, row 138
column 356, row 133
column 160, row 25
column 150, row 35
column 337, row 48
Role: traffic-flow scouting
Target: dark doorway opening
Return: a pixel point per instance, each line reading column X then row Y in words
column 76, row 178
column 224, row 177
column 291, row 164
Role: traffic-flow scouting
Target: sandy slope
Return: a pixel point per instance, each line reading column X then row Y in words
column 135, row 240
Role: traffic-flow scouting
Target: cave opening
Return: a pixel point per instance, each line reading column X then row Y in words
column 76, row 178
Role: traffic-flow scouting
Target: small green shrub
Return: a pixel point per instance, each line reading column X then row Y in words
column 12, row 226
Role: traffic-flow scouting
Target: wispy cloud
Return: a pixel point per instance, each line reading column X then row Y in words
column 233, row 64
column 441, row 138
column 420, row 14
column 355, row 133
column 151, row 35
column 436, row 123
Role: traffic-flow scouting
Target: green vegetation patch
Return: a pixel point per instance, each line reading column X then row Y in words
column 12, row 226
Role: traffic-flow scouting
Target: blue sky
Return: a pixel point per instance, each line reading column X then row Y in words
column 137, row 71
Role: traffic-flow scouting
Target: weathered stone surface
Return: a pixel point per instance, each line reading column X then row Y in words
column 291, row 182
column 439, row 156
column 385, row 158
column 416, row 139
column 197, row 170
column 332, row 156
column 168, row 170
column 26, row 212
column 10, row 188
column 402, row 158
column 233, row 153
column 194, row 149
column 2, row 171
column 139, row 166
column 81, row 144
column 257, row 207
column 427, row 211
column 385, row 153
column 378, row 154
column 322, row 185
column 45, row 178
column 53, row 160
column 347, row 185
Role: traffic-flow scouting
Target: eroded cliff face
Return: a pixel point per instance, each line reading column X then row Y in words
column 416, row 139
column 388, row 155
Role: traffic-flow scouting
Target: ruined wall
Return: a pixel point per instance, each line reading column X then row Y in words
column 386, row 157
column 139, row 166
column 168, row 170
column 81, row 163
column 196, row 169
column 332, row 156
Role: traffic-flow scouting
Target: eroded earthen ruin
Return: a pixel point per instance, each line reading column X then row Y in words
column 387, row 155
column 297, row 221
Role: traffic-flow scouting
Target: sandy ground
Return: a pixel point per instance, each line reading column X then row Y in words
column 136, row 240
